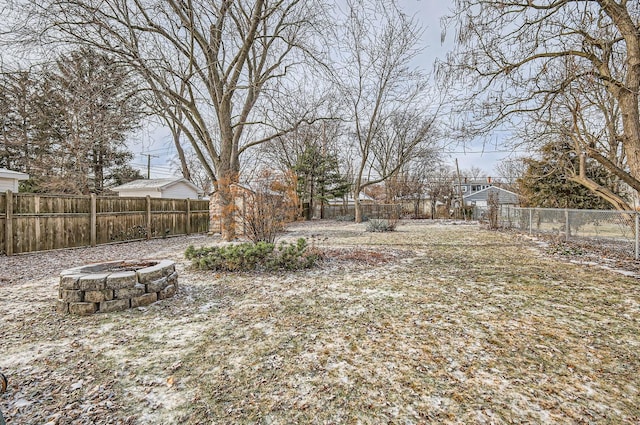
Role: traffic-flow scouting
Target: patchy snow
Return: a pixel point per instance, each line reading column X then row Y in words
column 434, row 323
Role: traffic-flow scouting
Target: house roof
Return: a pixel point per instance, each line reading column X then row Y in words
column 504, row 196
column 10, row 174
column 154, row 184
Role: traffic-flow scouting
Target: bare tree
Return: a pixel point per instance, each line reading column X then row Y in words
column 473, row 173
column 378, row 84
column 188, row 160
column 508, row 171
column 412, row 182
column 208, row 63
column 439, row 185
column 398, row 143
column 562, row 67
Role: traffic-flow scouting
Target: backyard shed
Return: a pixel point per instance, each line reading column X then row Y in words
column 9, row 180
column 172, row 188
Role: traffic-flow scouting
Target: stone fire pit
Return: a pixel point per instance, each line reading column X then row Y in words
column 115, row 286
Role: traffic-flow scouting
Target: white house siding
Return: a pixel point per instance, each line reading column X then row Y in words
column 9, row 180
column 8, row 184
column 141, row 193
column 180, row 190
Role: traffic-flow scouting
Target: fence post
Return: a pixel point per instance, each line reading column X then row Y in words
column 188, row 225
column 93, row 220
column 36, row 211
column 8, row 231
column 530, row 221
column 637, row 240
column 566, row 224
column 148, row 217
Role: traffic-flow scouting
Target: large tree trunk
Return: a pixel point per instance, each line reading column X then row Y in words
column 227, row 207
column 631, row 126
column 357, row 187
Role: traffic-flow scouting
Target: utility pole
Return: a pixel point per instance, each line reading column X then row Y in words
column 149, row 156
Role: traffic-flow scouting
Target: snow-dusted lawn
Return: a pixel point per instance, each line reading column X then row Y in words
column 429, row 324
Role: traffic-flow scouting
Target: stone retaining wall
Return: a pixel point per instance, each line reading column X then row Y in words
column 115, row 286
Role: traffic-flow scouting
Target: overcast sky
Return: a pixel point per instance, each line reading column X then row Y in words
column 428, row 12
column 481, row 154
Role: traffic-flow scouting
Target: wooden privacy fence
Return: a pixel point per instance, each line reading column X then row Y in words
column 384, row 211
column 30, row 222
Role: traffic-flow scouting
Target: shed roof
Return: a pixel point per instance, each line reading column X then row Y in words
column 154, row 184
column 10, row 174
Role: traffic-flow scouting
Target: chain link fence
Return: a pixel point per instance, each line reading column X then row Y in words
column 617, row 229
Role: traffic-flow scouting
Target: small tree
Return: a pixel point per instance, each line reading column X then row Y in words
column 271, row 204
column 439, row 185
column 319, row 178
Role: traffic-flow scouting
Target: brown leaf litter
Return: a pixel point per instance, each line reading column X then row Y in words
column 428, row 324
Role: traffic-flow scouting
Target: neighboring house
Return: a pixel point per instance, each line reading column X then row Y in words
column 469, row 187
column 481, row 197
column 172, row 188
column 9, row 180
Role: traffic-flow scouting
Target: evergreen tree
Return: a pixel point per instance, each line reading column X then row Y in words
column 319, row 178
column 67, row 125
column 547, row 182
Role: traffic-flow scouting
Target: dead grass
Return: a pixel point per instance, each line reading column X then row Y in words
column 428, row 324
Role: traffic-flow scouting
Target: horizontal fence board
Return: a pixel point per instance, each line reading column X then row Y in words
column 120, row 227
column 40, row 222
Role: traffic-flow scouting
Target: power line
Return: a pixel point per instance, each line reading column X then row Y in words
column 148, row 155
column 482, row 152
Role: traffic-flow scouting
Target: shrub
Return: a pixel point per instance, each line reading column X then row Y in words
column 381, row 225
column 294, row 256
column 271, row 204
column 249, row 256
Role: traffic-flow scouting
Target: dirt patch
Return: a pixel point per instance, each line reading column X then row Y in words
column 428, row 324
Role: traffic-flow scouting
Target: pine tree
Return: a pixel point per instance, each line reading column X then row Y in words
column 319, row 178
column 67, row 125
column 547, row 181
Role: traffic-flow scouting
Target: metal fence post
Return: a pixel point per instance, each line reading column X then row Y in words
column 530, row 221
column 566, row 224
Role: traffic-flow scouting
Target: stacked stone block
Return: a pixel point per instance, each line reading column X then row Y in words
column 115, row 286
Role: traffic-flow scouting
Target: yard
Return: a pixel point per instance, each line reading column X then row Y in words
column 432, row 323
